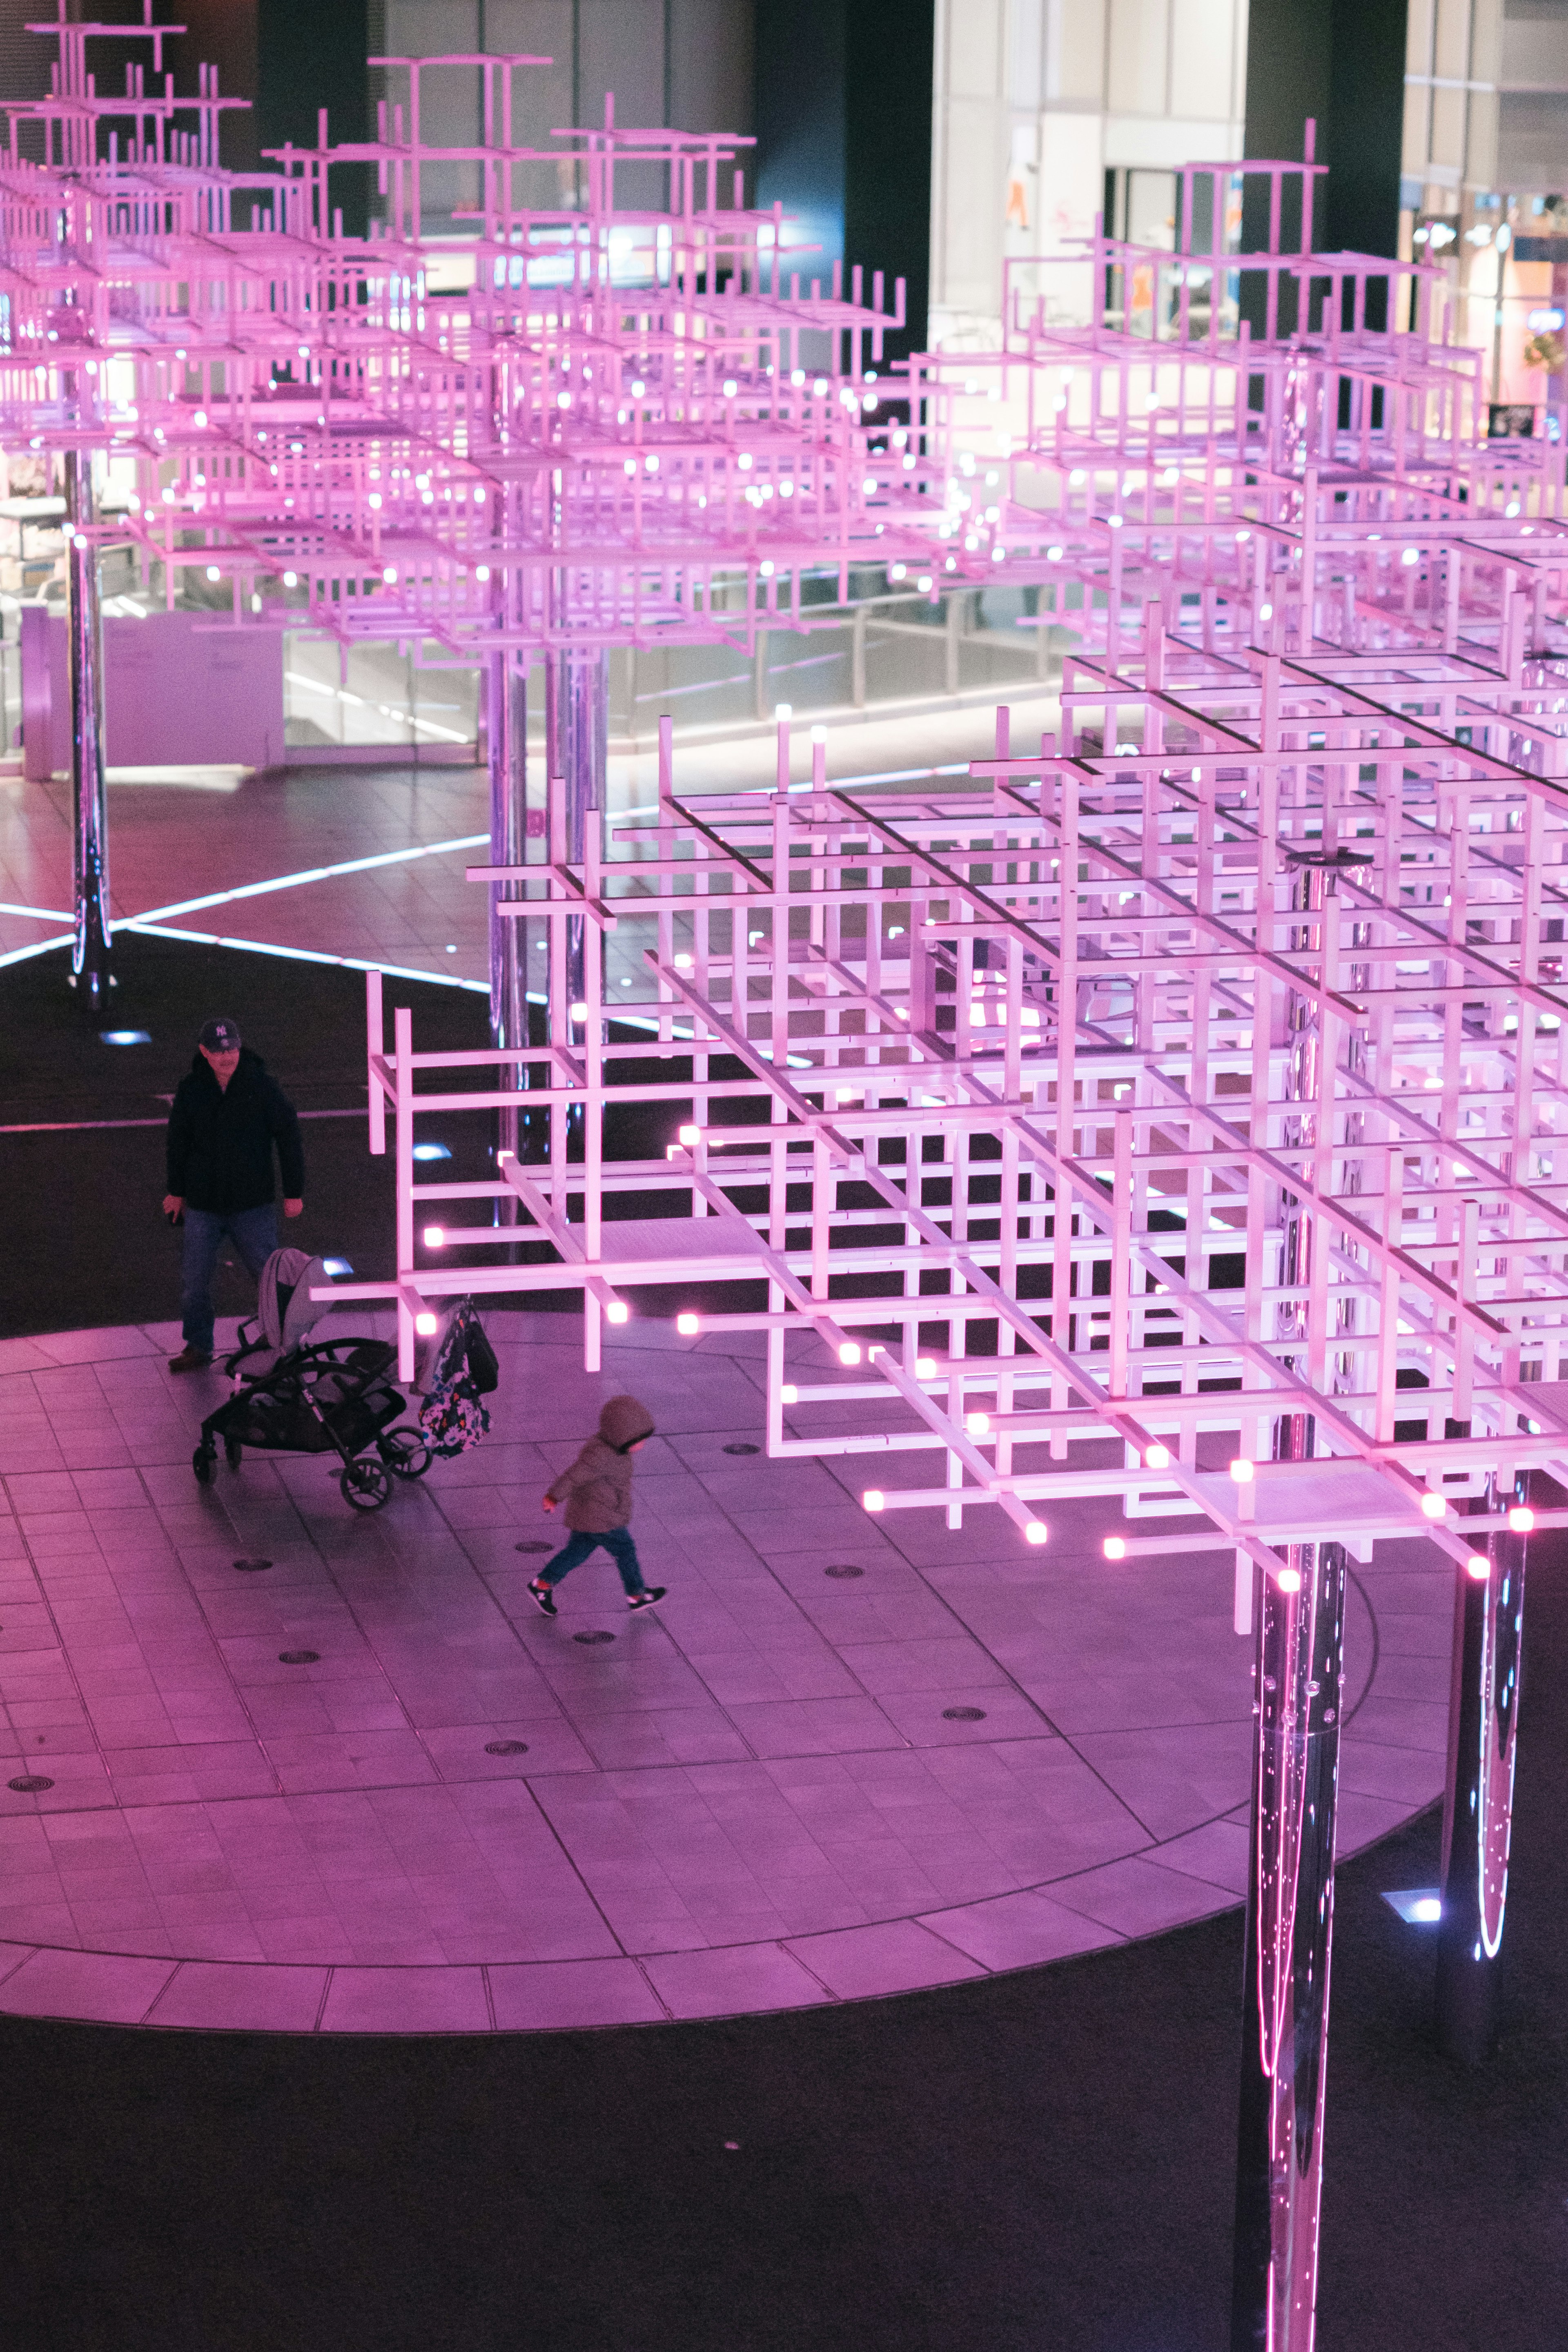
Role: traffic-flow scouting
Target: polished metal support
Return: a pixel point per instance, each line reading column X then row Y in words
column 1477, row 1809
column 577, row 730
column 84, row 629
column 1299, row 1612
column 506, row 713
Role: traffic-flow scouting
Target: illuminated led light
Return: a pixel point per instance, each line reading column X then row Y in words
column 336, row 1265
column 687, row 1325
column 124, row 1037
column 873, row 1499
column 1433, row 1506
column 1289, row 1579
column 390, row 573
column 789, row 1393
column 1115, row 1546
column 431, row 1151
column 683, row 964
column 690, row 1135
column 849, row 1353
column 505, row 1155
column 213, row 570
column 977, row 1424
column 1478, row 1566
column 290, row 579
column 435, row 1236
column 618, row 1311
column 579, row 1013
column 1157, row 1457
column 925, row 1368
column 1035, row 1532
column 1521, row 1519
column 1426, row 1908
column 427, row 1324
column 1242, row 1472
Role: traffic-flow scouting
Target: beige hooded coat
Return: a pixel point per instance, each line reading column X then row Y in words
column 597, row 1489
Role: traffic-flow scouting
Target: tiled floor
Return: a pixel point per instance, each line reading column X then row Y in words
column 752, row 1799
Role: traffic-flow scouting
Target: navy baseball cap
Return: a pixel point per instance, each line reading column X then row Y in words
column 220, row 1036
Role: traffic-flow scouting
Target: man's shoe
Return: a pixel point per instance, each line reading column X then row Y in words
column 649, row 1599
column 542, row 1595
column 190, row 1360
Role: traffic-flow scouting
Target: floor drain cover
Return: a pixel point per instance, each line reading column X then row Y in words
column 297, row 1657
column 31, row 1784
column 963, row 1714
column 592, row 1637
column 533, row 1546
column 743, row 1449
column 250, row 1567
column 506, row 1747
column 844, row 1571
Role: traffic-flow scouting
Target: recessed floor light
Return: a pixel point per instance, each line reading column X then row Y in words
column 1418, row 1906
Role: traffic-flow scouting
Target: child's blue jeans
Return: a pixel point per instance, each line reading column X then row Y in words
column 617, row 1542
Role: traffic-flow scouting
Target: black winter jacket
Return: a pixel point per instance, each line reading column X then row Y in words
column 221, row 1139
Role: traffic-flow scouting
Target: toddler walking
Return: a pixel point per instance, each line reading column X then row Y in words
column 597, row 1494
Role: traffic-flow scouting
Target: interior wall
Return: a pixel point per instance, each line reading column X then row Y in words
column 1035, row 101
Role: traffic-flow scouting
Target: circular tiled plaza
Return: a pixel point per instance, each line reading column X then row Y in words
column 789, row 1785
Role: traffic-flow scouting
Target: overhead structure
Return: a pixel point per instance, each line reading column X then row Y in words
column 1170, row 1112
column 596, row 423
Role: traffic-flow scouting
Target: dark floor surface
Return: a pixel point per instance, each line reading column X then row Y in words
column 1043, row 2160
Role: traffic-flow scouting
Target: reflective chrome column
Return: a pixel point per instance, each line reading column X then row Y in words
column 506, row 716
column 84, row 631
column 1299, row 1609
column 1477, row 1810
column 576, row 729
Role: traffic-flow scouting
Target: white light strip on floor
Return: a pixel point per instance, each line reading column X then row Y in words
column 293, row 955
column 37, row 914
column 311, row 873
column 39, row 947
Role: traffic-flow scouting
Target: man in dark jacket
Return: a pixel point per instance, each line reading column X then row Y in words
column 228, row 1116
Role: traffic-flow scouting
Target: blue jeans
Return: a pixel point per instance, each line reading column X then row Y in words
column 617, row 1542
column 253, row 1232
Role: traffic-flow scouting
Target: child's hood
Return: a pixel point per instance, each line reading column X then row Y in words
column 623, row 1422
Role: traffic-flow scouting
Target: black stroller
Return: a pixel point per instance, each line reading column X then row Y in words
column 332, row 1396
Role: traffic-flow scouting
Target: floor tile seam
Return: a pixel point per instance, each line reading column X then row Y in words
column 67, row 1662
column 771, row 1574
column 573, row 1722
column 969, row 1634
column 210, row 1629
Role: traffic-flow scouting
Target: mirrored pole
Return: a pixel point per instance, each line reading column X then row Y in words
column 1477, row 1810
column 1299, row 1610
column 84, row 633
column 506, row 715
column 576, row 728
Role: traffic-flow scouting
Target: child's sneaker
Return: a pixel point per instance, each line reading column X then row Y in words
column 544, row 1594
column 650, row 1598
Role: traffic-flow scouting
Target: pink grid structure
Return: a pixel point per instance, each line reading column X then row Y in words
column 1147, row 1117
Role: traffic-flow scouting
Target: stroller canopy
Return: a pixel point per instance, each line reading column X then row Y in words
column 284, row 1306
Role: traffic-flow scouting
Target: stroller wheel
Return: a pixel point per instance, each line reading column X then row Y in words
column 202, row 1462
column 232, row 1452
column 405, row 1453
column 364, row 1485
